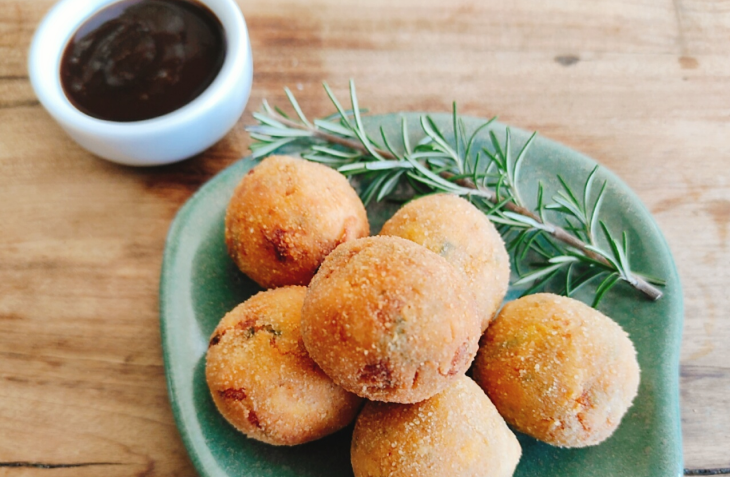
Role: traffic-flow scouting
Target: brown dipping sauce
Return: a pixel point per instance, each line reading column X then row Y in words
column 139, row 59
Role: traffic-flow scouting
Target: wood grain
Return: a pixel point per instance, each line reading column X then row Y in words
column 641, row 86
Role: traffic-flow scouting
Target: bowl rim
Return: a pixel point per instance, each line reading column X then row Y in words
column 61, row 23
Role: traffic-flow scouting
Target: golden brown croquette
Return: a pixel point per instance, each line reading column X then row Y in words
column 456, row 433
column 286, row 215
column 390, row 320
column 263, row 381
column 558, row 370
column 453, row 228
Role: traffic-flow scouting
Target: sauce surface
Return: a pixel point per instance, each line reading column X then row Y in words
column 140, row 59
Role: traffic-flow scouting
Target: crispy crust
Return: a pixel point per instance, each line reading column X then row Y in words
column 286, row 215
column 262, row 380
column 558, row 370
column 390, row 320
column 456, row 433
column 453, row 228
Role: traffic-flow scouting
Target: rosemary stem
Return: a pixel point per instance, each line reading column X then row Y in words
column 561, row 234
column 557, row 232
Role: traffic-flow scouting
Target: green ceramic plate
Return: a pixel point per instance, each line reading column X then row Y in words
column 200, row 284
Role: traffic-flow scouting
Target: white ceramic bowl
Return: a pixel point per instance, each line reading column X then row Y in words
column 161, row 140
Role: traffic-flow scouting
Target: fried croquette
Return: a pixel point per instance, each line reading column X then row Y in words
column 390, row 320
column 456, row 433
column 558, row 370
column 286, row 215
column 453, row 228
column 262, row 380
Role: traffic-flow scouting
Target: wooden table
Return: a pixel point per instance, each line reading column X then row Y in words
column 642, row 86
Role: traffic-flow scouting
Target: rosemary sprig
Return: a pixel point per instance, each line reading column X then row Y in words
column 489, row 178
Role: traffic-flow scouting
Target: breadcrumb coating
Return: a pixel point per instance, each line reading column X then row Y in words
column 390, row 320
column 262, row 380
column 453, row 228
column 286, row 215
column 558, row 370
column 456, row 433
